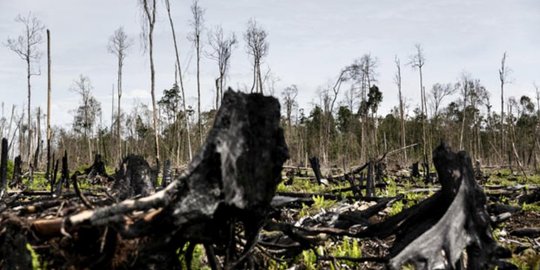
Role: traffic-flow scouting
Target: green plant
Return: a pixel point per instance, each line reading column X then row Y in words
column 533, row 207
column 396, row 208
column 35, row 258
column 309, row 259
column 319, row 202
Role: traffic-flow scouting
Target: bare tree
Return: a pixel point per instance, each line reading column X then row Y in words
column 437, row 95
column 149, row 8
column 221, row 52
column 397, row 80
column 180, row 78
column 503, row 77
column 88, row 111
column 26, row 46
column 257, row 46
column 417, row 61
column 119, row 44
column 49, row 135
column 195, row 37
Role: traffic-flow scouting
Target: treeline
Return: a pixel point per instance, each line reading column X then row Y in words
column 344, row 128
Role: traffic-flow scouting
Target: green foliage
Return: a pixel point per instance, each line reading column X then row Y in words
column 319, row 202
column 39, row 182
column 533, row 207
column 309, row 259
column 10, row 166
column 197, row 260
column 36, row 265
column 396, row 208
column 528, row 259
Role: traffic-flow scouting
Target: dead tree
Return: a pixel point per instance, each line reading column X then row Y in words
column 180, row 77
column 257, row 47
column 316, row 166
column 221, row 52
column 3, row 167
column 119, row 44
column 49, row 135
column 149, row 9
column 26, row 47
column 195, row 36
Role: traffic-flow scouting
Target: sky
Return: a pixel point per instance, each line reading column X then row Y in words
column 310, row 41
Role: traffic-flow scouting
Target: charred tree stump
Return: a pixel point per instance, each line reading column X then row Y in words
column 228, row 185
column 54, row 175
column 17, row 170
column 97, row 168
column 316, row 166
column 370, row 181
column 167, row 173
column 435, row 232
column 64, row 176
column 133, row 178
column 3, row 168
column 415, row 172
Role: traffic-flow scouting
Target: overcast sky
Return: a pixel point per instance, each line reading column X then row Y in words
column 310, row 41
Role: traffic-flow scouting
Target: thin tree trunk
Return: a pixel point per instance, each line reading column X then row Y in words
column 48, row 177
column 180, row 78
column 199, row 123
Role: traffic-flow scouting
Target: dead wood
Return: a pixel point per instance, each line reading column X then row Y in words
column 228, row 185
column 435, row 232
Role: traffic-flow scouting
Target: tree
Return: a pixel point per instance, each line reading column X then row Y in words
column 149, row 7
column 417, row 61
column 88, row 111
column 397, row 81
column 257, row 46
column 119, row 43
column 221, row 52
column 26, row 46
column 180, row 77
column 195, row 36
column 503, row 77
column 438, row 93
column 289, row 101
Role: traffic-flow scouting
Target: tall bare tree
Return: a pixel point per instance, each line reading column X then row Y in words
column 149, row 8
column 119, row 43
column 221, row 52
column 26, row 46
column 417, row 61
column 503, row 77
column 180, row 78
column 198, row 23
column 397, row 81
column 49, row 135
column 257, row 46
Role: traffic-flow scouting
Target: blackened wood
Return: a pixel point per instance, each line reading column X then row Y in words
column 97, row 167
column 415, row 172
column 316, row 167
column 167, row 173
column 64, row 176
column 370, row 181
column 54, row 175
column 17, row 170
column 3, row 168
column 133, row 178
